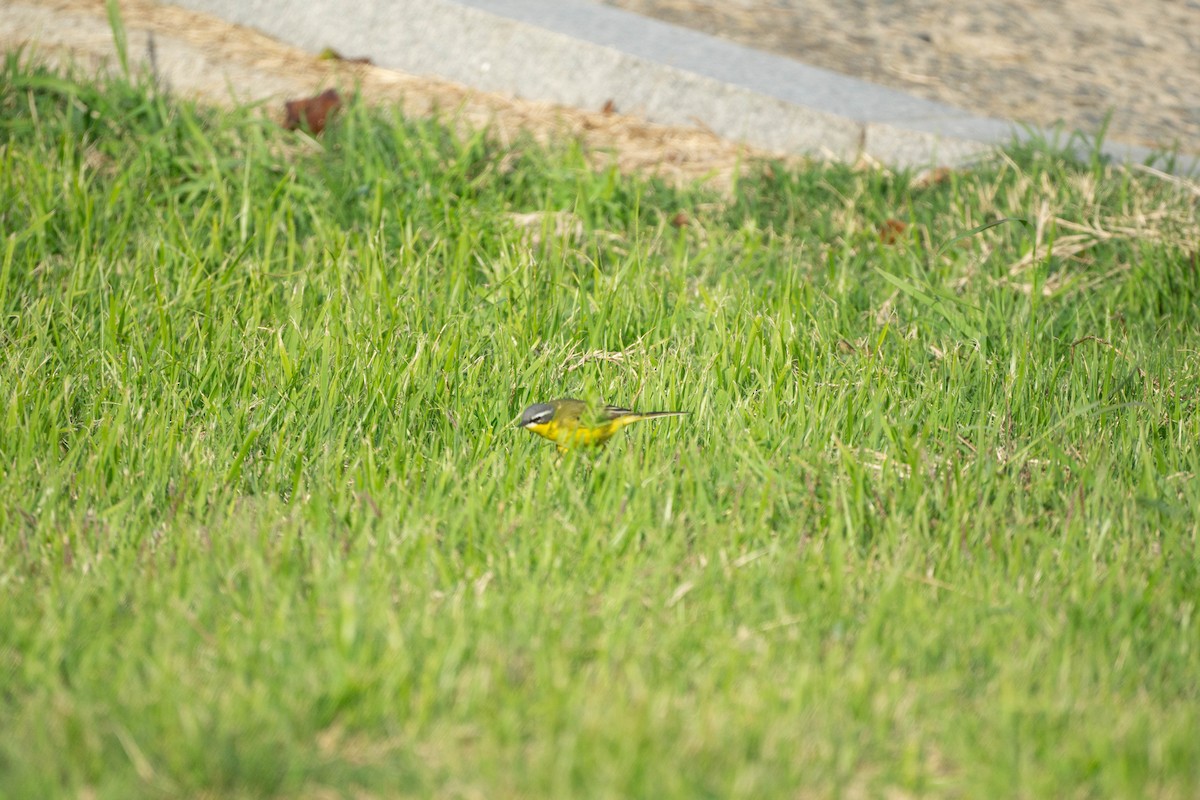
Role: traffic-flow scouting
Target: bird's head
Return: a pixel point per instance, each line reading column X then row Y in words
column 536, row 414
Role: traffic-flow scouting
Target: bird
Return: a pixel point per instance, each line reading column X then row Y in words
column 571, row 423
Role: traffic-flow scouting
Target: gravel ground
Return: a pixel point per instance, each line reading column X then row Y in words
column 1069, row 61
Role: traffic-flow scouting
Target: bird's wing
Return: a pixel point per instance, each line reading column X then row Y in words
column 616, row 412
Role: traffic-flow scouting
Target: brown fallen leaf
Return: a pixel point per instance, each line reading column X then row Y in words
column 891, row 230
column 931, row 177
column 313, row 112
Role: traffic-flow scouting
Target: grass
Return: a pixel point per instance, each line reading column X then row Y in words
column 268, row 531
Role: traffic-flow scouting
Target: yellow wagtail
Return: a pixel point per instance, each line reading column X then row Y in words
column 570, row 423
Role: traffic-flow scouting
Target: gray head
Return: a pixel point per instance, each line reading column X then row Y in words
column 537, row 414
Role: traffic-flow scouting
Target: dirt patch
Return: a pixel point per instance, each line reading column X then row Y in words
column 1069, row 61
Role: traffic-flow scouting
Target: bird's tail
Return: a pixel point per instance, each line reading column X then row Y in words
column 656, row 414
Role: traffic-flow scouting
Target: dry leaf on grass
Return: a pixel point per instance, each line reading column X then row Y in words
column 312, row 113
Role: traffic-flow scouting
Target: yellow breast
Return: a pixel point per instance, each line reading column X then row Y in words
column 572, row 434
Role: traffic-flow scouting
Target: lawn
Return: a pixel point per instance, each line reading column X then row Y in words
column 267, row 528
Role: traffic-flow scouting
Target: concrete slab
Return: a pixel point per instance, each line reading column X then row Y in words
column 583, row 54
